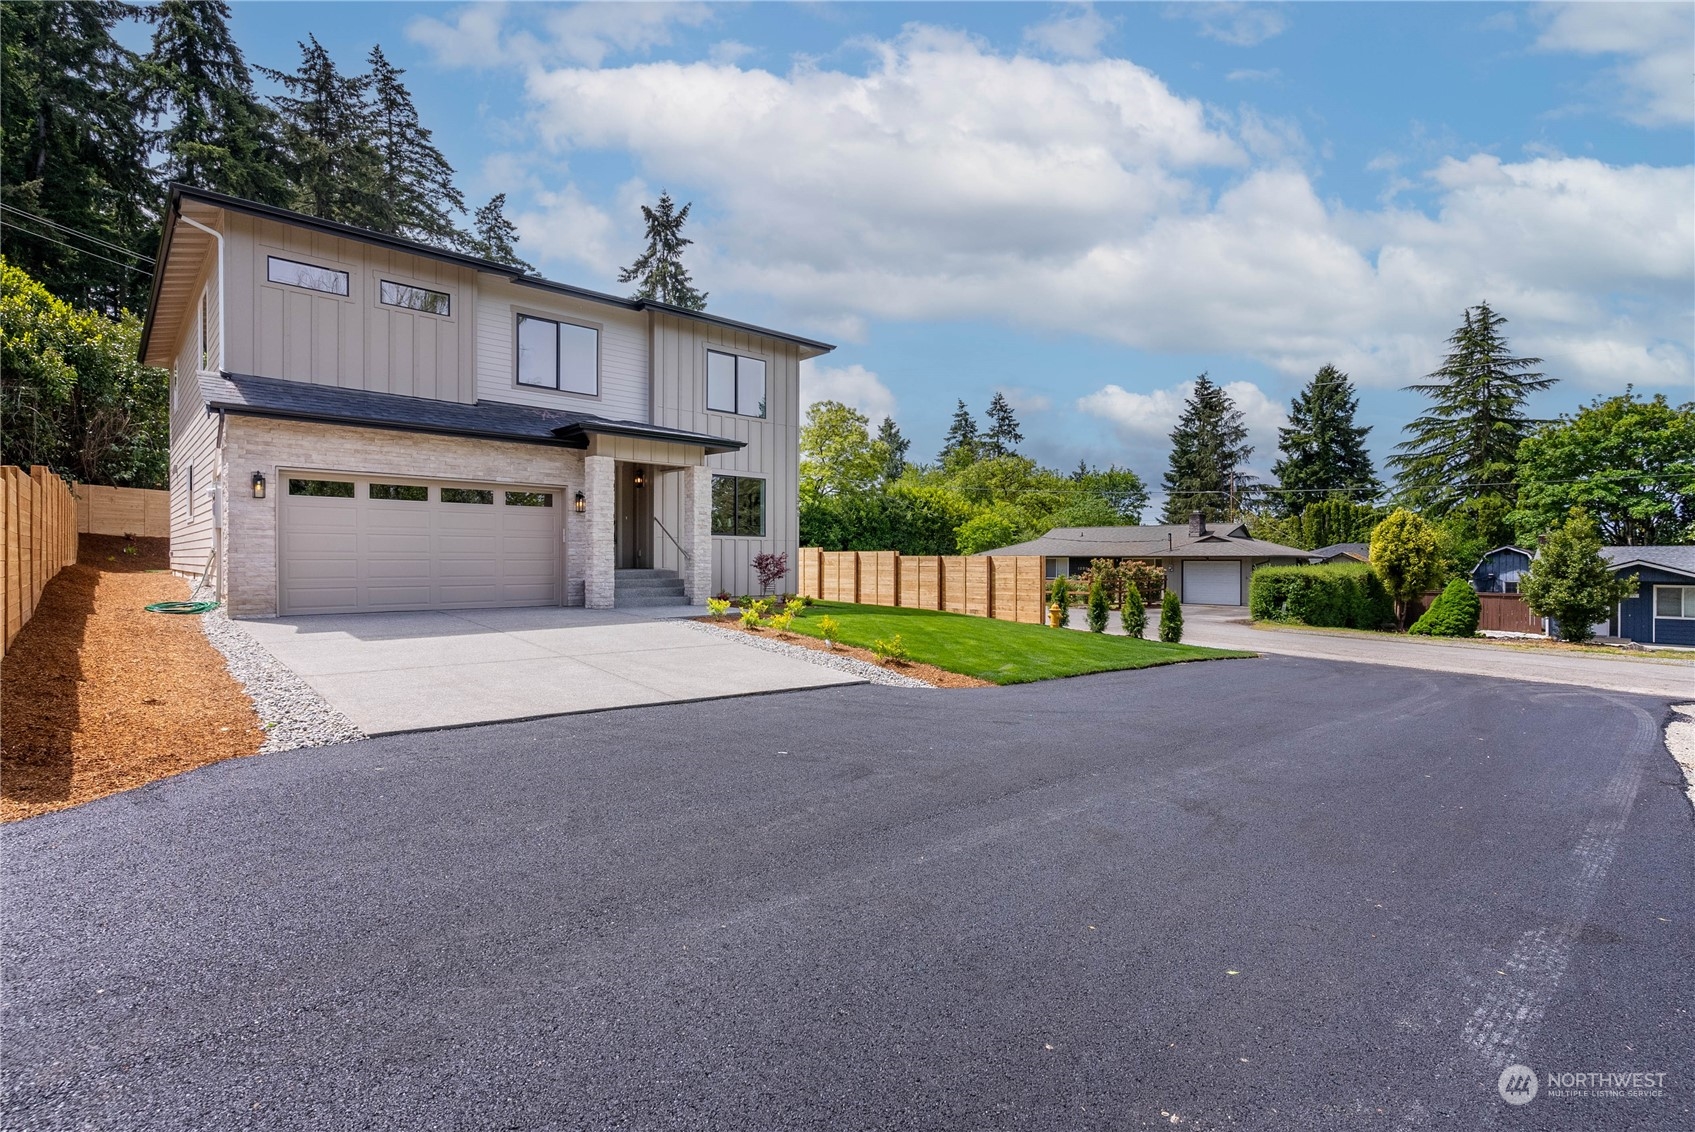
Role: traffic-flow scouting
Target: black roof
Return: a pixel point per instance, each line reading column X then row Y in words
column 489, row 420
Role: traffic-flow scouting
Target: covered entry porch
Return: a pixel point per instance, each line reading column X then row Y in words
column 648, row 505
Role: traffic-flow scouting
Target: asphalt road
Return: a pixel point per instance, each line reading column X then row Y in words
column 1277, row 893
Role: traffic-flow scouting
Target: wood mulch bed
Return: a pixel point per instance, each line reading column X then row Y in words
column 98, row 696
column 928, row 673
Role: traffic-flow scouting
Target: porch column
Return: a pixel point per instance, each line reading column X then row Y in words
column 697, row 533
column 600, row 554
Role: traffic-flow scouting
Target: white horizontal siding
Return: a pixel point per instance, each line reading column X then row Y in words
column 623, row 352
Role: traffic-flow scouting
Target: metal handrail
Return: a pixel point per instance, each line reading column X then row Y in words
column 687, row 557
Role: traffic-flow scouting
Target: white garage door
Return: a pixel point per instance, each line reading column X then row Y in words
column 354, row 544
column 1212, row 583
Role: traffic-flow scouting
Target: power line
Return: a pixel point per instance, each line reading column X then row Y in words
column 82, row 251
column 74, row 232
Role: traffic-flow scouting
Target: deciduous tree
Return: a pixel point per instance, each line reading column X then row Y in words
column 1569, row 581
column 1407, row 557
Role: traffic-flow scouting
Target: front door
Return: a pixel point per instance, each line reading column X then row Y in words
column 633, row 533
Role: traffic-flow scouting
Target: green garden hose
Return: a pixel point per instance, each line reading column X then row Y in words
column 182, row 607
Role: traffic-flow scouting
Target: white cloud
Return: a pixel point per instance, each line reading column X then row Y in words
column 1143, row 419
column 1240, row 25
column 1024, row 400
column 564, row 226
column 852, row 385
column 472, row 37
column 1075, row 32
column 1656, row 41
column 588, row 33
column 478, row 35
column 730, row 51
column 1251, row 75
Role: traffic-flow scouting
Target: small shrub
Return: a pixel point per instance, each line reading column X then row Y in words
column 893, row 649
column 726, row 597
column 1454, row 613
column 781, row 621
column 771, row 568
column 806, row 600
column 1147, row 579
column 1098, row 607
column 1135, row 614
column 1170, row 618
column 761, row 607
column 717, row 606
column 794, row 607
column 830, row 629
column 750, row 617
column 1059, row 593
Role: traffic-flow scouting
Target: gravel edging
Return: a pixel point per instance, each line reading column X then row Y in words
column 291, row 713
column 875, row 674
column 1680, row 741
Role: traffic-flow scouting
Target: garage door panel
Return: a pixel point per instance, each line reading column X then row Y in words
column 1212, row 583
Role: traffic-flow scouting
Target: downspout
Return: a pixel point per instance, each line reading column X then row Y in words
column 217, row 476
column 218, row 236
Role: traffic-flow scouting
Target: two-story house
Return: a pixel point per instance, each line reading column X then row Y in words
column 364, row 423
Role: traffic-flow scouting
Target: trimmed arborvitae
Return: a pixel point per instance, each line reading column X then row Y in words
column 1134, row 612
column 335, row 168
column 1171, row 618
column 73, row 151
column 962, row 445
column 212, row 130
column 413, row 177
column 496, row 237
column 1208, row 450
column 1059, row 593
column 658, row 272
column 1465, row 448
column 1323, row 451
column 1003, row 437
column 1099, row 608
column 894, row 449
column 1454, row 613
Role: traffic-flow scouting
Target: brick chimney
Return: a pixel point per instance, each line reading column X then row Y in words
column 1197, row 524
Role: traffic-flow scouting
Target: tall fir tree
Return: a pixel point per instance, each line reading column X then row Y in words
column 1462, row 453
column 335, row 169
column 894, row 449
column 1323, row 450
column 658, row 272
column 1003, row 436
column 1208, row 454
column 495, row 237
column 961, row 446
column 73, row 152
column 211, row 130
column 414, row 179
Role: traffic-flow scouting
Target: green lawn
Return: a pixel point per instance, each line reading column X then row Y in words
column 1003, row 652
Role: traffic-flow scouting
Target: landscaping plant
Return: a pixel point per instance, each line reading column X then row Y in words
column 717, row 606
column 1454, row 613
column 892, row 649
column 830, row 629
column 795, row 607
column 750, row 617
column 1098, row 607
column 1407, row 556
column 1569, row 581
column 1170, row 618
column 1341, row 596
column 781, row 621
column 1135, row 613
column 771, row 568
column 1060, row 594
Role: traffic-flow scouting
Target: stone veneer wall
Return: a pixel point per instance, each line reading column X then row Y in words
column 258, row 444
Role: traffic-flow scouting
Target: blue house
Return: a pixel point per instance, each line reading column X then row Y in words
column 1663, row 610
column 1498, row 571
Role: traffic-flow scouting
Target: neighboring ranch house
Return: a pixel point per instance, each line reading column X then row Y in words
column 363, row 423
column 1663, row 610
column 1203, row 566
column 1341, row 553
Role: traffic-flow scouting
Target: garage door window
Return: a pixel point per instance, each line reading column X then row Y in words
column 529, row 499
column 327, row 489
column 400, row 492
column 467, row 495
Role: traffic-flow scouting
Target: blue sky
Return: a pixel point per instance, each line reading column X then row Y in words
column 1084, row 206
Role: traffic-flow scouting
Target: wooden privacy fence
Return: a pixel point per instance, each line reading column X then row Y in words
column 40, row 540
column 1500, row 613
column 143, row 512
column 1005, row 587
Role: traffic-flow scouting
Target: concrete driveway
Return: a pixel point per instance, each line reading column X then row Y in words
column 390, row 672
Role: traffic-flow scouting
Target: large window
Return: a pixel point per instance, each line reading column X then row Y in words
column 293, row 273
column 1675, row 601
column 738, row 506
column 415, row 298
column 558, row 355
column 735, row 384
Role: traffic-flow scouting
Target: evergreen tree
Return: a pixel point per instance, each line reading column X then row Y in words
column 216, row 133
column 961, row 446
column 73, row 152
column 1464, row 450
column 894, row 449
column 1323, row 450
column 496, row 237
column 1208, row 450
column 658, row 272
column 1003, row 437
column 336, row 171
column 414, row 179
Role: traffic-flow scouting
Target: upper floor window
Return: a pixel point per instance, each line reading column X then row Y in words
column 558, row 355
column 415, row 298
column 735, row 384
column 295, row 274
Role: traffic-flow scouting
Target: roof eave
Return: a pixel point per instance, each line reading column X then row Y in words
column 238, row 408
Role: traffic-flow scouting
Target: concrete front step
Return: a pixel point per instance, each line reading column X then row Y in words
column 646, row 598
column 631, row 585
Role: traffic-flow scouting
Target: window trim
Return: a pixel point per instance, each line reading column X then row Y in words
column 381, row 280
column 345, row 273
column 599, row 329
column 1654, row 609
column 764, row 504
column 770, row 363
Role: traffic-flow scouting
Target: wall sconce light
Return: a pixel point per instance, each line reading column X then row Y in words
column 258, row 485
column 641, row 481
column 579, row 503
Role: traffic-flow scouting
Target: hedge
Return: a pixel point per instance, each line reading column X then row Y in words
column 1341, row 596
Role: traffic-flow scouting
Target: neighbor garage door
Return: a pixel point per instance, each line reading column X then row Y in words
column 353, row 544
column 1212, row 583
